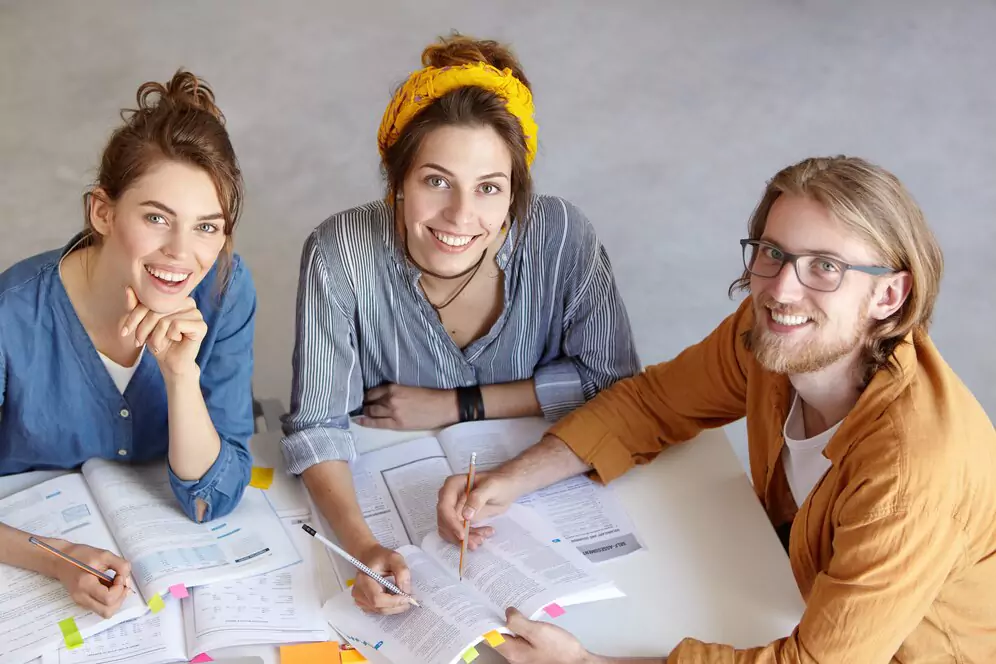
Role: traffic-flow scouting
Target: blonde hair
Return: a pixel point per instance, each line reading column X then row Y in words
column 874, row 204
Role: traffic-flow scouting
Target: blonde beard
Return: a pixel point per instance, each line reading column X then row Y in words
column 775, row 354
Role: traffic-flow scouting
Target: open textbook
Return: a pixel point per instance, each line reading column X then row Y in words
column 131, row 511
column 397, row 487
column 524, row 565
column 284, row 606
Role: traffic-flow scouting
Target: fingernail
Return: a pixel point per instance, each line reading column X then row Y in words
column 124, row 331
column 138, row 344
column 468, row 512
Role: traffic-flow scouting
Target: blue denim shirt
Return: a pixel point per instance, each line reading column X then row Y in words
column 59, row 406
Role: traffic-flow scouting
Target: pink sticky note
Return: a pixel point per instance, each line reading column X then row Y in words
column 203, row 657
column 554, row 610
column 179, row 591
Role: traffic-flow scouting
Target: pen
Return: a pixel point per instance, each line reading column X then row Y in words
column 393, row 589
column 466, row 523
column 104, row 578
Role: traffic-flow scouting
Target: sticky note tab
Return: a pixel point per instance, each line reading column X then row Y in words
column 350, row 582
column 156, row 603
column 203, row 657
column 494, row 638
column 554, row 610
column 310, row 653
column 261, row 478
column 70, row 633
column 179, row 591
column 349, row 655
column 470, row 654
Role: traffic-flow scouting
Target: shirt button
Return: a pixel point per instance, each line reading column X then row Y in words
column 122, row 452
column 124, row 412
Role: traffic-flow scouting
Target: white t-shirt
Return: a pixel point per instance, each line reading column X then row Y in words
column 803, row 457
column 119, row 374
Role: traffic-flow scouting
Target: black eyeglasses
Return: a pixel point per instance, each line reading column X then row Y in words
column 821, row 273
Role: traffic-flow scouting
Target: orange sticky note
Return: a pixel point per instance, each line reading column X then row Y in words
column 350, row 582
column 349, row 655
column 494, row 638
column 310, row 653
column 261, row 478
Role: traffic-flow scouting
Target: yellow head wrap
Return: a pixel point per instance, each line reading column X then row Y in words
column 426, row 85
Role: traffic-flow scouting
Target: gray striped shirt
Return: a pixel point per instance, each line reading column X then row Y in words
column 362, row 321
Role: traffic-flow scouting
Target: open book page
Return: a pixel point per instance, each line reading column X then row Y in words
column 165, row 547
column 584, row 512
column 32, row 605
column 11, row 484
column 451, row 619
column 398, row 486
column 284, row 606
column 155, row 638
column 525, row 565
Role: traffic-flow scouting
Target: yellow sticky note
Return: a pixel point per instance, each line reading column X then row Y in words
column 470, row 654
column 261, row 478
column 310, row 653
column 351, row 656
column 350, row 582
column 494, row 638
column 156, row 603
column 70, row 633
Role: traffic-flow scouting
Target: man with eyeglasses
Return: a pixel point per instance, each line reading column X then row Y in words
column 872, row 459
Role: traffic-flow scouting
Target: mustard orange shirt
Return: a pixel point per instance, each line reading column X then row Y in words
column 894, row 550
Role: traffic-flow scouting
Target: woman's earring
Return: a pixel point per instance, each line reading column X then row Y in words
column 400, row 196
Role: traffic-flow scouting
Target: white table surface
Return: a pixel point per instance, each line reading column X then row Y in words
column 713, row 567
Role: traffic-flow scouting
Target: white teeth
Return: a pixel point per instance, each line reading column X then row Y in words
column 173, row 277
column 452, row 240
column 783, row 319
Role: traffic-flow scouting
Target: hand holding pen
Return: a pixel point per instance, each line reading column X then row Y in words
column 83, row 570
column 395, row 599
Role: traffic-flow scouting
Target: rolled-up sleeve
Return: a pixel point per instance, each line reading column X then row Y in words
column 226, row 383
column 327, row 383
column 597, row 348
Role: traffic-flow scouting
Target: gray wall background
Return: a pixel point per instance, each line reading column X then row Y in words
column 661, row 120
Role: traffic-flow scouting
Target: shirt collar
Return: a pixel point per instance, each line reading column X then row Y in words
column 885, row 387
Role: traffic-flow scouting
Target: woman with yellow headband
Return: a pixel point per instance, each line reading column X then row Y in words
column 461, row 296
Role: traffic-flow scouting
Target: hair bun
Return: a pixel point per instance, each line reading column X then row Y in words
column 183, row 90
column 458, row 49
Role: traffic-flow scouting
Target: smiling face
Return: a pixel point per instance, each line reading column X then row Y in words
column 801, row 330
column 163, row 234
column 456, row 197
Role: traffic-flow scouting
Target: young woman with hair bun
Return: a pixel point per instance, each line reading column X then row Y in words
column 133, row 342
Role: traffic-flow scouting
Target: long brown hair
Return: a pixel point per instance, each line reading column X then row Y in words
column 178, row 121
column 874, row 204
column 466, row 106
